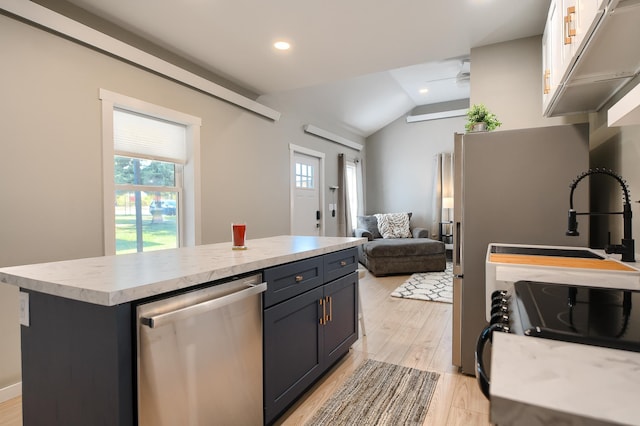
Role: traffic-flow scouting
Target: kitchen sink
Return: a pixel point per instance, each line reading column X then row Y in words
column 557, row 264
column 547, row 251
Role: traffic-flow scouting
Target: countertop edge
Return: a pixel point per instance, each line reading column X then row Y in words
column 29, row 277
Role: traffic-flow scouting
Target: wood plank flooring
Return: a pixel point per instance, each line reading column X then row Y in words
column 412, row 333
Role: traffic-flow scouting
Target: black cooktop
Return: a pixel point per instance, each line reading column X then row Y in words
column 589, row 315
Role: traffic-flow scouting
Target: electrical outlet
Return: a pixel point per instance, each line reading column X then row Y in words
column 24, row 309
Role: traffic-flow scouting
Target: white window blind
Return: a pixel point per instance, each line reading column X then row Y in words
column 147, row 137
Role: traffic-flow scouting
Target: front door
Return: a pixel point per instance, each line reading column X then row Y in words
column 305, row 191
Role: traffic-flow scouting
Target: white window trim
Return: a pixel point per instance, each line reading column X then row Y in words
column 292, row 179
column 190, row 229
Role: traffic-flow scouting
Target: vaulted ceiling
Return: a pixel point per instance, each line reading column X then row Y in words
column 359, row 63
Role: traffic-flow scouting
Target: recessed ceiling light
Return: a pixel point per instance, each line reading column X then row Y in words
column 423, row 91
column 282, row 45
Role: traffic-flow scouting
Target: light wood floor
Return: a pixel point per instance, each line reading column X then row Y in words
column 406, row 332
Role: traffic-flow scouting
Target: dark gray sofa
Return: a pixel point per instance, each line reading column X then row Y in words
column 389, row 256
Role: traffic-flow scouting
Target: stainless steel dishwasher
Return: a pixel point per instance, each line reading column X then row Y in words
column 200, row 356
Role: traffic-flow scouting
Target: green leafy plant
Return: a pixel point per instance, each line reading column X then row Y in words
column 479, row 113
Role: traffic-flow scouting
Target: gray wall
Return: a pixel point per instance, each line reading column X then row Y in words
column 507, row 78
column 618, row 149
column 50, row 158
column 399, row 165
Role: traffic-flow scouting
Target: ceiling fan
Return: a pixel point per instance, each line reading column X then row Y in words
column 464, row 75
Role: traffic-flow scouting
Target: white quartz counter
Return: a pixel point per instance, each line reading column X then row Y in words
column 541, row 382
column 112, row 280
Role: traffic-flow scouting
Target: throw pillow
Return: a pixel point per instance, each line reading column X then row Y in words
column 394, row 225
column 369, row 223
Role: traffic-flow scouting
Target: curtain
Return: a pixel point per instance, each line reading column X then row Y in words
column 345, row 225
column 359, row 189
column 442, row 191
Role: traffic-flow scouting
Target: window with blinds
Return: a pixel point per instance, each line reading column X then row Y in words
column 149, row 155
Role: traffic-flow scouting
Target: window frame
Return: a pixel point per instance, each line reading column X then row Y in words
column 306, row 178
column 189, row 227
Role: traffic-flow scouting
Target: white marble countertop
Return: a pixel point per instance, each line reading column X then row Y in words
column 112, row 280
column 541, row 381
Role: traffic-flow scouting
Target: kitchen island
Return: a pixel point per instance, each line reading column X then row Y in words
column 79, row 347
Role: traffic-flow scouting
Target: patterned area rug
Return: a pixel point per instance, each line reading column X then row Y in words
column 378, row 393
column 432, row 286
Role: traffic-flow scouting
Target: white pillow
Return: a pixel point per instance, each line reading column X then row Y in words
column 394, row 225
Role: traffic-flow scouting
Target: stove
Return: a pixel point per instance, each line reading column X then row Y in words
column 589, row 315
column 580, row 314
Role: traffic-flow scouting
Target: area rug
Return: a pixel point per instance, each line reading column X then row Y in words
column 378, row 393
column 432, row 286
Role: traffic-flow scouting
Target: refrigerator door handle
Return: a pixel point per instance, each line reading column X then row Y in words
column 458, row 249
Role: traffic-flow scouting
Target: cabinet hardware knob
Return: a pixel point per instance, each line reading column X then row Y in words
column 343, row 263
column 299, row 278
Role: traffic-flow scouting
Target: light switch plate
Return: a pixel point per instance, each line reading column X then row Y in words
column 24, row 309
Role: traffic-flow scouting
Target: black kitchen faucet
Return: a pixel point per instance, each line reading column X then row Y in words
column 627, row 248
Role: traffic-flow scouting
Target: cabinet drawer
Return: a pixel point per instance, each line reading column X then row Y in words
column 340, row 263
column 289, row 280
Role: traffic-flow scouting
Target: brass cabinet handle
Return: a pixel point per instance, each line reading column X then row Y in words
column 547, row 82
column 323, row 319
column 299, row 278
column 330, row 308
column 343, row 263
column 569, row 29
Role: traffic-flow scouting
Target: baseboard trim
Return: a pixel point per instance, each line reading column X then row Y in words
column 10, row 392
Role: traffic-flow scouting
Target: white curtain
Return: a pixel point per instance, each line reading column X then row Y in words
column 345, row 226
column 442, row 189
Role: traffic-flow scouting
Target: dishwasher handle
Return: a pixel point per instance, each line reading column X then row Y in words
column 209, row 305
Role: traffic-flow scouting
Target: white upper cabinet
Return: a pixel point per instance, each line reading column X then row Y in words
column 579, row 19
column 598, row 53
column 550, row 55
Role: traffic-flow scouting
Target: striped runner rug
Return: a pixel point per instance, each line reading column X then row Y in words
column 378, row 393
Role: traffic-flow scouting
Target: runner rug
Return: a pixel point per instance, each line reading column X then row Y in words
column 378, row 393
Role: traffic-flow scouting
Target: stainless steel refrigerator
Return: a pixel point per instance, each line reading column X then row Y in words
column 509, row 187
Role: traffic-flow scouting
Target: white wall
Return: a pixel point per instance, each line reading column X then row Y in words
column 50, row 158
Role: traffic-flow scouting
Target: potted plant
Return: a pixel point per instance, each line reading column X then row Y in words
column 480, row 119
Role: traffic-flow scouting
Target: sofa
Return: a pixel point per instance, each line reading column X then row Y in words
column 404, row 250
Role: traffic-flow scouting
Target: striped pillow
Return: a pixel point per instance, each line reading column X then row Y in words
column 394, row 225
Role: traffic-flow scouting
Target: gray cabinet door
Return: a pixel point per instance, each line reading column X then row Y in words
column 341, row 329
column 292, row 350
